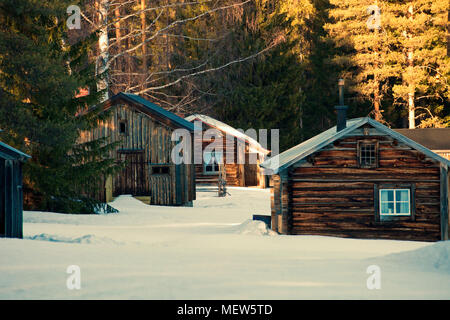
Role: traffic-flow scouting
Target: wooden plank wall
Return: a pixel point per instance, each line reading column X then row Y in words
column 11, row 224
column 331, row 195
column 152, row 138
column 235, row 173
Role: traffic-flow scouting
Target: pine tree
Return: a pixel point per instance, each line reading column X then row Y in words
column 321, row 74
column 261, row 93
column 419, row 27
column 364, row 51
column 401, row 67
column 41, row 72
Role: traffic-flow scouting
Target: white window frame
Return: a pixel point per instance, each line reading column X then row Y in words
column 214, row 172
column 395, row 202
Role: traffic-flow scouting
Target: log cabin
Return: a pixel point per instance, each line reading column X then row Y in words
column 435, row 139
column 246, row 174
column 11, row 194
column 360, row 179
column 142, row 131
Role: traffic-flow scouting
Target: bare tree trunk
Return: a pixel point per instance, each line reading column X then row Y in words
column 118, row 31
column 103, row 43
column 448, row 32
column 144, row 45
column 376, row 103
column 129, row 58
column 376, row 91
column 411, row 87
column 167, row 40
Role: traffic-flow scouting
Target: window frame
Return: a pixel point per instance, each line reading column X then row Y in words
column 395, row 201
column 125, row 123
column 160, row 166
column 207, row 164
column 376, row 150
column 379, row 217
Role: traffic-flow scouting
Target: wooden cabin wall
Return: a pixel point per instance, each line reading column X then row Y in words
column 330, row 195
column 147, row 141
column 280, row 203
column 235, row 173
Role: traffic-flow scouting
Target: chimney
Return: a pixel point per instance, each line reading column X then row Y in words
column 341, row 109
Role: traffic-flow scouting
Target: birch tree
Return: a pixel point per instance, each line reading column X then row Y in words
column 136, row 38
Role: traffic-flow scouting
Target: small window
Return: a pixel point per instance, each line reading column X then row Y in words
column 395, row 202
column 160, row 170
column 123, row 127
column 368, row 154
column 211, row 162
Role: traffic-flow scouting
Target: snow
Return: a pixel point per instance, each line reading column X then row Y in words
column 254, row 145
column 210, row 251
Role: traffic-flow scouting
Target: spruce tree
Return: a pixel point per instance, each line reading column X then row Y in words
column 422, row 90
column 41, row 72
column 265, row 92
column 401, row 67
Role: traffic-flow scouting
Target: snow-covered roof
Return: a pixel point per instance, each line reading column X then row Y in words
column 308, row 147
column 255, row 145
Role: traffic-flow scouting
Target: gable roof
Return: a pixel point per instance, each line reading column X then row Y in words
column 432, row 138
column 228, row 129
column 9, row 153
column 287, row 158
column 149, row 108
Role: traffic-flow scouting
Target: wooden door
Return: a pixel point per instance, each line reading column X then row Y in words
column 250, row 172
column 132, row 179
column 2, row 197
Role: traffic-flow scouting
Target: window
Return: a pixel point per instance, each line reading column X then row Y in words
column 123, row 127
column 395, row 202
column 160, row 170
column 368, row 154
column 211, row 162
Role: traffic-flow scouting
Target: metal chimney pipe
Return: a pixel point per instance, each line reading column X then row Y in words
column 341, row 108
column 341, row 83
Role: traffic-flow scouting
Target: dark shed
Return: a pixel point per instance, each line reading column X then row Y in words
column 11, row 197
column 142, row 131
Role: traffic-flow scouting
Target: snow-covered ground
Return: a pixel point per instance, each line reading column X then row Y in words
column 210, row 251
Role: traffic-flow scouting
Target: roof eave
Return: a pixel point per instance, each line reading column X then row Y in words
column 257, row 146
column 316, row 148
column 343, row 132
column 121, row 95
column 413, row 144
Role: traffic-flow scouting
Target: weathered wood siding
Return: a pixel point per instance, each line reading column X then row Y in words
column 11, row 199
column 329, row 194
column 146, row 144
column 235, row 173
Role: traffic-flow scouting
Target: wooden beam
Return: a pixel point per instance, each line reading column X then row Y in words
column 284, row 202
column 444, row 202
